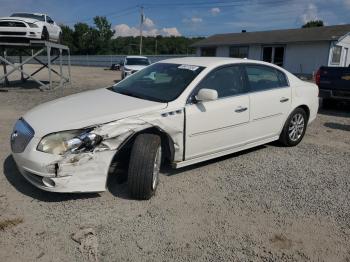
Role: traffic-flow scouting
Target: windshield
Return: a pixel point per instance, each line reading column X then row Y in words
column 137, row 61
column 159, row 82
column 32, row 16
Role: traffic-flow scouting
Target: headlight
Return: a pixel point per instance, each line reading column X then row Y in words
column 127, row 69
column 33, row 25
column 74, row 141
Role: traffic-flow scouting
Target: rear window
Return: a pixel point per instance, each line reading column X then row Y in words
column 263, row 78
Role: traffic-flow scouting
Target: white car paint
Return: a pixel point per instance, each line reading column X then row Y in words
column 128, row 69
column 198, row 131
column 19, row 26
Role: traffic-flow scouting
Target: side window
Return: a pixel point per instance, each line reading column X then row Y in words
column 49, row 20
column 282, row 78
column 263, row 78
column 227, row 81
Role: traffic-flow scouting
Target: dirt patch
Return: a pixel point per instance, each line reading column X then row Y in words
column 281, row 241
column 87, row 239
column 8, row 223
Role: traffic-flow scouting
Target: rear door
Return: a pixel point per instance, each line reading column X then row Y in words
column 270, row 100
column 221, row 124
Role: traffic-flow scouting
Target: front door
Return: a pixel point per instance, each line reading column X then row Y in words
column 221, row 124
column 270, row 101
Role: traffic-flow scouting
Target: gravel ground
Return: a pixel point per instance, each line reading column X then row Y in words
column 266, row 204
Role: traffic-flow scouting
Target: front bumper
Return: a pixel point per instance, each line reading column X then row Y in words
column 86, row 172
column 129, row 73
column 20, row 32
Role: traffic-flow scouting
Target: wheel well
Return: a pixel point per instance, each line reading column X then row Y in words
column 123, row 154
column 306, row 109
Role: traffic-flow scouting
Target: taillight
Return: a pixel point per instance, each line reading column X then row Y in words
column 318, row 77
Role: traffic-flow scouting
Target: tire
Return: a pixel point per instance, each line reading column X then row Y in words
column 45, row 34
column 294, row 128
column 144, row 165
column 60, row 39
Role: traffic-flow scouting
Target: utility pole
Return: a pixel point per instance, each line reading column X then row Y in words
column 141, row 28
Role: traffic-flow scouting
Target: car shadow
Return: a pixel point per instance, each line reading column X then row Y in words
column 18, row 85
column 117, row 180
column 118, row 187
column 15, row 178
column 169, row 171
column 340, row 109
column 338, row 126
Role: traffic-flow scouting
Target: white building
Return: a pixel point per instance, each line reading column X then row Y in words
column 300, row 51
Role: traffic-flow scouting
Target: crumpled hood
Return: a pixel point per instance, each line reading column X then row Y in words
column 23, row 19
column 134, row 67
column 86, row 109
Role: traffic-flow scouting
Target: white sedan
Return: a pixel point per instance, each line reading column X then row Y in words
column 30, row 26
column 178, row 111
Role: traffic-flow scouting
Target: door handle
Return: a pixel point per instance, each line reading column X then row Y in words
column 240, row 109
column 284, row 99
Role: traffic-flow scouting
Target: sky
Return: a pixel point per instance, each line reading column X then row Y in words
column 188, row 18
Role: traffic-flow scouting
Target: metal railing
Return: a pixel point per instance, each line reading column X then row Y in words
column 98, row 60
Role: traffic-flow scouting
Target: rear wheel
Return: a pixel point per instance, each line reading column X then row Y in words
column 144, row 166
column 60, row 39
column 45, row 34
column 294, row 128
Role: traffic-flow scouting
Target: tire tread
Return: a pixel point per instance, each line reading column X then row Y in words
column 140, row 172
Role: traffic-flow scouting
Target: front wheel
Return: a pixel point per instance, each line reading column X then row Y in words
column 294, row 128
column 144, row 166
column 45, row 34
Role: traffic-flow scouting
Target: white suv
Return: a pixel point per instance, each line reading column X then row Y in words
column 132, row 64
column 179, row 111
column 30, row 26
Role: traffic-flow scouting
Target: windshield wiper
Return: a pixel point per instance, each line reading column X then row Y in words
column 129, row 94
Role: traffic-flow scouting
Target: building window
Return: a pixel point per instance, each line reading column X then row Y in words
column 208, row 51
column 239, row 51
column 274, row 55
column 336, row 54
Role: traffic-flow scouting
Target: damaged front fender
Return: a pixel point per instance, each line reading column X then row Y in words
column 88, row 171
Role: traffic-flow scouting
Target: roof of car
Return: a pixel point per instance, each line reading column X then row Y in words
column 206, row 61
column 136, row 56
column 28, row 13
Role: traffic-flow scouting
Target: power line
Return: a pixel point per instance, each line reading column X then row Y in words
column 214, row 4
column 120, row 13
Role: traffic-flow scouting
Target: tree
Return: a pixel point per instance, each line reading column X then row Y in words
column 68, row 37
column 313, row 23
column 97, row 40
column 105, row 34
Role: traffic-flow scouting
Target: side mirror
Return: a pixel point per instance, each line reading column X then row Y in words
column 206, row 94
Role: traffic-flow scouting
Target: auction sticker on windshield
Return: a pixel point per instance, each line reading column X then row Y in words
column 188, row 67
